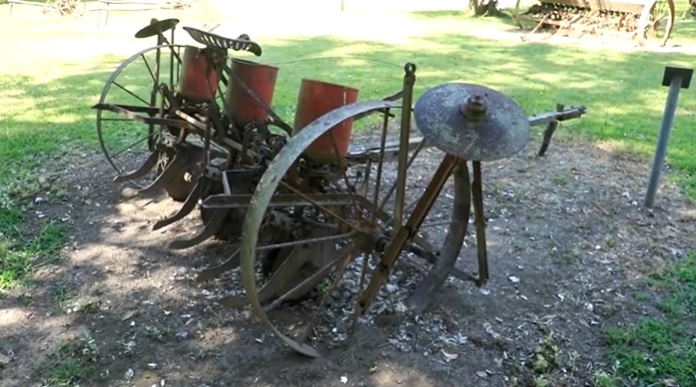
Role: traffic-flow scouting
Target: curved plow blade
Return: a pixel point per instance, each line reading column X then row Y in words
column 278, row 281
column 211, row 227
column 215, row 271
column 140, row 172
column 175, row 168
column 186, row 208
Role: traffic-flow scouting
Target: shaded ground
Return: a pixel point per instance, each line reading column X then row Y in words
column 567, row 238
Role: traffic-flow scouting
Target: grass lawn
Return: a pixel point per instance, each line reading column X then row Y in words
column 46, row 120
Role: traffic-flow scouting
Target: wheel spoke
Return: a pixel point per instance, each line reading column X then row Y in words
column 320, row 206
column 130, row 93
column 380, row 165
column 343, row 167
column 420, row 147
column 149, row 69
column 138, row 142
column 302, row 242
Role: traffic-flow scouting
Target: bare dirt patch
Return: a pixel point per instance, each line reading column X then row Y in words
column 568, row 237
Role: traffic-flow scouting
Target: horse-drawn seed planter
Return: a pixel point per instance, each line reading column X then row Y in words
column 640, row 20
column 304, row 201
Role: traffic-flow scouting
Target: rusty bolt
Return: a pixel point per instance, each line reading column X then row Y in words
column 474, row 108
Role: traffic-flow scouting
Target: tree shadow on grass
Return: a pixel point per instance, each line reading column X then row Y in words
column 621, row 90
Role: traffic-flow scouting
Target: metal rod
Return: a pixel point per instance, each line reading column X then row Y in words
column 661, row 149
column 480, row 222
column 171, row 61
column 380, row 166
column 409, row 80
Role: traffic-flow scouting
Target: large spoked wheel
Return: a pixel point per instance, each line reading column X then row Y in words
column 657, row 20
column 137, row 86
column 316, row 237
column 127, row 143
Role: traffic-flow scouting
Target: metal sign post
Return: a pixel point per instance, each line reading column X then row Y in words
column 676, row 78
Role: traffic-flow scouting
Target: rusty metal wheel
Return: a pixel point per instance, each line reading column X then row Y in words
column 138, row 86
column 128, row 143
column 319, row 235
column 657, row 21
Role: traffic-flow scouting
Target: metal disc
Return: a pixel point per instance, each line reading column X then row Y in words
column 156, row 27
column 472, row 122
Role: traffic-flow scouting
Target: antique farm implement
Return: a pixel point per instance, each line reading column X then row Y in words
column 304, row 201
column 637, row 19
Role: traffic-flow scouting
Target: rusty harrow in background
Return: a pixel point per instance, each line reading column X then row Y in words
column 637, row 19
column 303, row 201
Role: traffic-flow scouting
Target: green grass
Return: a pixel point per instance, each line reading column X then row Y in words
column 658, row 349
column 72, row 361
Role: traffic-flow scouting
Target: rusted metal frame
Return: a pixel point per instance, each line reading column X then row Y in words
column 278, row 200
column 551, row 127
column 120, row 110
column 361, row 155
column 409, row 81
column 548, row 133
column 406, row 232
column 284, row 200
column 131, row 108
column 561, row 114
column 197, row 127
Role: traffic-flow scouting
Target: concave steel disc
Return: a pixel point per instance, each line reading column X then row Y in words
column 156, row 27
column 472, row 122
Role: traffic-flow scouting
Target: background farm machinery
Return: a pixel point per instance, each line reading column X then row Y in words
column 300, row 197
column 641, row 20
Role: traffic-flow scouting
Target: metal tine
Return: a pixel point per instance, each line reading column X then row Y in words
column 213, row 272
column 186, row 208
column 211, row 227
column 174, row 168
column 140, row 172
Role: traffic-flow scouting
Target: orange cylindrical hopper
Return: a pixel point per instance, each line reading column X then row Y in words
column 261, row 79
column 194, row 84
column 315, row 99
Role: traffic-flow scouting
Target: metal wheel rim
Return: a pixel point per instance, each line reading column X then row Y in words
column 104, row 95
column 265, row 190
column 658, row 14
